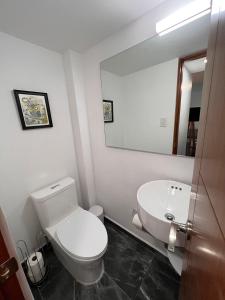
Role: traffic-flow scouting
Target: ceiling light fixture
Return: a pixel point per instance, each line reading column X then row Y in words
column 183, row 16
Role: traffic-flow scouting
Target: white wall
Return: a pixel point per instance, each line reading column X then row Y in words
column 184, row 111
column 112, row 89
column 31, row 159
column 75, row 85
column 119, row 173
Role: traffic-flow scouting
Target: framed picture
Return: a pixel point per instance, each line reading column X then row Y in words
column 33, row 109
column 108, row 111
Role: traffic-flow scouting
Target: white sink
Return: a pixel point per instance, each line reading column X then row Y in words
column 158, row 198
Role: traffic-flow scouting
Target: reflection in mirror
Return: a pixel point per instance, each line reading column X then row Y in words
column 155, row 88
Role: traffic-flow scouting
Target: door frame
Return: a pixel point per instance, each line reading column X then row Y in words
column 17, row 284
column 181, row 62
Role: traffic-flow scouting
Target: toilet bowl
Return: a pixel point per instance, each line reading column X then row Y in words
column 78, row 237
column 80, row 241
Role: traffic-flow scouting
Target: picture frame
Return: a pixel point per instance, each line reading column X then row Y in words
column 34, row 109
column 108, row 111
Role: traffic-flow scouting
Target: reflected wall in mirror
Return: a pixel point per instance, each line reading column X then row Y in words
column 156, row 91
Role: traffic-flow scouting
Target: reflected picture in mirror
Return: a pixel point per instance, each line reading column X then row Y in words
column 156, row 87
column 108, row 111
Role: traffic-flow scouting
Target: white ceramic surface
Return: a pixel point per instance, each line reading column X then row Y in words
column 56, row 201
column 86, row 268
column 78, row 237
column 155, row 199
column 83, row 235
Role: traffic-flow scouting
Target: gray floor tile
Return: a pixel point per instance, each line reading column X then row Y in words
column 60, row 287
column 105, row 289
column 160, row 282
column 131, row 256
column 133, row 271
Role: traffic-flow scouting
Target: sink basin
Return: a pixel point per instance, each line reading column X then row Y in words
column 161, row 201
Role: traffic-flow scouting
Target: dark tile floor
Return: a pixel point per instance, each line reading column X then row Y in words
column 133, row 271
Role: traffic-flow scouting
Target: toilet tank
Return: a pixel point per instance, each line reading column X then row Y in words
column 55, row 201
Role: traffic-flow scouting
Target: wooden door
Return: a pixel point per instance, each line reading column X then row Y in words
column 203, row 274
column 10, row 289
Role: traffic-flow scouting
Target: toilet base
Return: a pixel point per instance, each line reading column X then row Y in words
column 92, row 276
column 84, row 272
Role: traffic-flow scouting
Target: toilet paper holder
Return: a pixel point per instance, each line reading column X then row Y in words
column 34, row 263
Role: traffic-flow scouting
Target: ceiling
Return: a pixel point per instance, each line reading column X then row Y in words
column 186, row 40
column 195, row 66
column 69, row 24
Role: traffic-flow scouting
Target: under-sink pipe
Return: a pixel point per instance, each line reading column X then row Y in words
column 174, row 228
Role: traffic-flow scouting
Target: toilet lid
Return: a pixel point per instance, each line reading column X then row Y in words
column 82, row 234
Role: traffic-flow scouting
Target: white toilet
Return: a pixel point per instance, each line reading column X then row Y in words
column 78, row 237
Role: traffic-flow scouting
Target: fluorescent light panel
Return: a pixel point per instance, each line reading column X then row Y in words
column 183, row 16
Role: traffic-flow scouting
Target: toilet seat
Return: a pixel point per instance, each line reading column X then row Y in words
column 82, row 235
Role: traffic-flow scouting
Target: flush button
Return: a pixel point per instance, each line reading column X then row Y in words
column 55, row 186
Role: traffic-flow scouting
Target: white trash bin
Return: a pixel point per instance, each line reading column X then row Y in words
column 98, row 211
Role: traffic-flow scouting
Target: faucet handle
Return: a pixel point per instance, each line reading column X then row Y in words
column 174, row 228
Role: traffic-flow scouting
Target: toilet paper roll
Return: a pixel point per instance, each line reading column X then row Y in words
column 38, row 277
column 136, row 222
column 36, row 266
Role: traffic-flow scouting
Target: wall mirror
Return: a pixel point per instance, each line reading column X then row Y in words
column 151, row 92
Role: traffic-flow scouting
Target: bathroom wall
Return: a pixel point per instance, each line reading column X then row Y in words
column 31, row 159
column 73, row 67
column 119, row 173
